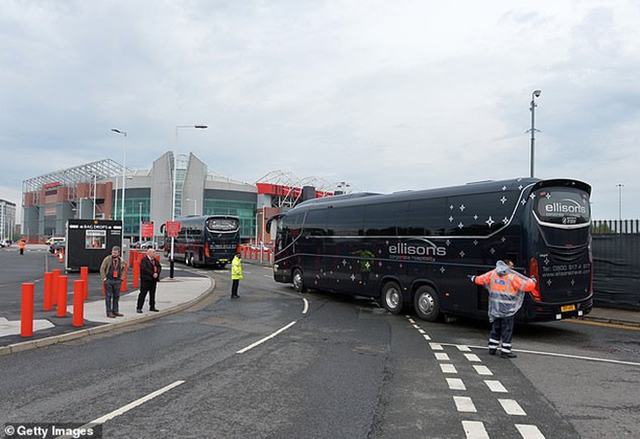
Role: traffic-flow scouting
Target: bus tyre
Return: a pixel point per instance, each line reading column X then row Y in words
column 392, row 297
column 426, row 303
column 192, row 260
column 298, row 281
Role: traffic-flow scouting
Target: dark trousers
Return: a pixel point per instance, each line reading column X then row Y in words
column 147, row 287
column 112, row 295
column 21, row 251
column 234, row 287
column 502, row 329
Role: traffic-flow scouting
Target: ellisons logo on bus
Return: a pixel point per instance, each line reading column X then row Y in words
column 416, row 250
column 565, row 206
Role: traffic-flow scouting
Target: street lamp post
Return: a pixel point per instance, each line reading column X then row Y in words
column 95, row 187
column 534, row 95
column 140, row 221
column 124, row 172
column 175, row 178
column 620, row 186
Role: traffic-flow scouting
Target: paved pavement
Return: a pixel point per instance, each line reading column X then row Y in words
column 173, row 295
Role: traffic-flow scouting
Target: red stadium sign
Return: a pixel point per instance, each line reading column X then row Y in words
column 173, row 227
column 147, row 230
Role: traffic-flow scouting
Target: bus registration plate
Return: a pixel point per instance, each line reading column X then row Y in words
column 567, row 308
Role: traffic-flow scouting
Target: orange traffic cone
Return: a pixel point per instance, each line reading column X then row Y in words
column 61, row 256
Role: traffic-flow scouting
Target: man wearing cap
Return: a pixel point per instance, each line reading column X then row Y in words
column 111, row 270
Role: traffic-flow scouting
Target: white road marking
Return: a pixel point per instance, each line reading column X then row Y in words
column 421, row 331
column 410, row 320
column 464, row 404
column 456, row 384
column 529, row 431
column 306, row 306
column 426, row 337
column 473, row 357
column 436, row 346
column 553, row 354
column 128, row 407
column 416, row 326
column 442, row 356
column 259, row 342
column 463, row 348
column 474, row 430
column 448, row 368
column 482, row 370
column 512, row 407
column 495, row 386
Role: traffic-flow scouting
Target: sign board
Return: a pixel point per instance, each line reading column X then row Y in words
column 173, row 227
column 147, row 230
column 90, row 241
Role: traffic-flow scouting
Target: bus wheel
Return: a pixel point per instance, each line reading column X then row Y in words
column 192, row 261
column 392, row 297
column 426, row 303
column 298, row 281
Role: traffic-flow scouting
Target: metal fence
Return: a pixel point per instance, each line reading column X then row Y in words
column 616, row 260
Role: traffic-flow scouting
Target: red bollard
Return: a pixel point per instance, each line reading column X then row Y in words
column 123, row 284
column 48, row 291
column 78, row 303
column 63, row 286
column 136, row 274
column 84, row 275
column 54, row 286
column 26, row 325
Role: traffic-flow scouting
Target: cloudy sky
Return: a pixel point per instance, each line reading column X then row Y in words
column 384, row 95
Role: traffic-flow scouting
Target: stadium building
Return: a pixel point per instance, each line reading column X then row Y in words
column 95, row 191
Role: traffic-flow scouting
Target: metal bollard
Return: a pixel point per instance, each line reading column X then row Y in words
column 26, row 314
column 84, row 275
column 54, row 286
column 48, row 291
column 63, row 285
column 78, row 303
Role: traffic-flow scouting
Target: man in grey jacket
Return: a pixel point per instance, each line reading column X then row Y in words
column 112, row 270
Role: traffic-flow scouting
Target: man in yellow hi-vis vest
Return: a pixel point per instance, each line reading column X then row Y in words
column 236, row 275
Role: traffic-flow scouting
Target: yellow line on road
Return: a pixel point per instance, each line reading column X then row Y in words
column 608, row 325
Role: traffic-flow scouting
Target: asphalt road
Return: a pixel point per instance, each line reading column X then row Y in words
column 327, row 367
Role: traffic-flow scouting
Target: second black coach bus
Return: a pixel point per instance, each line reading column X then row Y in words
column 210, row 240
column 416, row 248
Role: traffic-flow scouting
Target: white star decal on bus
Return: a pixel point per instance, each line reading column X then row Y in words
column 353, row 277
column 450, row 219
column 549, row 282
column 573, row 282
column 532, row 196
column 505, row 220
column 442, row 270
column 490, row 221
column 475, row 217
column 520, row 187
column 460, row 225
column 503, row 199
column 492, row 251
column 344, row 262
column 523, row 202
column 504, row 188
column 475, row 242
column 451, row 207
column 462, row 253
column 462, row 208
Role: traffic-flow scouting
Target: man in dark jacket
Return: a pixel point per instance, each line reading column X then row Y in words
column 150, row 269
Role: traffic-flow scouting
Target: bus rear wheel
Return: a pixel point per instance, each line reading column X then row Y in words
column 298, row 281
column 192, row 261
column 427, row 304
column 392, row 297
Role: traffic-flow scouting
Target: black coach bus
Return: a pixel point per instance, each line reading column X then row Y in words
column 210, row 240
column 416, row 248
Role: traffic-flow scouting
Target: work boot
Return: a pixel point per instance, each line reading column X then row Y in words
column 492, row 351
column 508, row 355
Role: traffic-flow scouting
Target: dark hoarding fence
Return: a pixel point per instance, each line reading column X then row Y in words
column 616, row 259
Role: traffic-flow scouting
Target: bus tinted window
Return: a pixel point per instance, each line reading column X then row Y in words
column 222, row 224
column 346, row 221
column 316, row 222
column 423, row 218
column 562, row 206
column 382, row 219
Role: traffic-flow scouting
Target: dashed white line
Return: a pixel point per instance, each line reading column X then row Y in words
column 474, row 430
column 482, row 370
column 436, row 346
column 529, row 431
column 456, row 384
column 464, row 404
column 442, row 356
column 463, row 348
column 448, row 368
column 472, row 357
column 495, row 386
column 426, row 337
column 512, row 407
column 259, row 342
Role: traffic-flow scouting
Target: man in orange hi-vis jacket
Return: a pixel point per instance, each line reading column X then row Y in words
column 506, row 294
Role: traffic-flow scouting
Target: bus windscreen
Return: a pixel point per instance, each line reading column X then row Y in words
column 562, row 206
column 222, row 224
